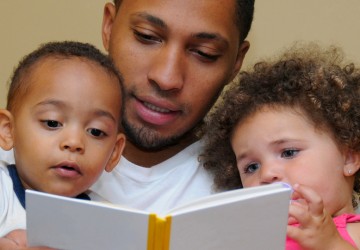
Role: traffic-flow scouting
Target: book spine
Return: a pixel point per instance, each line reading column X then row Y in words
column 167, row 233
column 151, row 232
column 158, row 234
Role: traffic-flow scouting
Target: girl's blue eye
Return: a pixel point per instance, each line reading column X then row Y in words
column 289, row 153
column 252, row 168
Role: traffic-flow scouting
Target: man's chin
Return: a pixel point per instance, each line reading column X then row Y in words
column 149, row 140
column 153, row 145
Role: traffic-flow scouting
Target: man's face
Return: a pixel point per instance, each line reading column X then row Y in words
column 175, row 56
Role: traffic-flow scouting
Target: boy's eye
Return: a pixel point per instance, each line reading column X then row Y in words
column 51, row 123
column 96, row 132
column 251, row 168
column 289, row 153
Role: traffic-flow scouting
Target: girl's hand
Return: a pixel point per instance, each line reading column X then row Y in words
column 316, row 229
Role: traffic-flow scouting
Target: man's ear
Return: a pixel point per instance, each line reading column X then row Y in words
column 117, row 152
column 108, row 20
column 243, row 49
column 352, row 163
column 6, row 127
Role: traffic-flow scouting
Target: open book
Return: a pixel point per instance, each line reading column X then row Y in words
column 250, row 218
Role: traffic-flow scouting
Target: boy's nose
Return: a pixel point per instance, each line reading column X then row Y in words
column 73, row 142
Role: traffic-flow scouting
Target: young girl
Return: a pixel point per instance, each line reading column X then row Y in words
column 295, row 120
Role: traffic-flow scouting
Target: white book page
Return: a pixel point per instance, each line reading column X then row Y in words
column 254, row 223
column 66, row 223
column 230, row 197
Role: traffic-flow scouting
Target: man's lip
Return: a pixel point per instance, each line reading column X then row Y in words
column 156, row 108
column 156, row 112
column 158, row 104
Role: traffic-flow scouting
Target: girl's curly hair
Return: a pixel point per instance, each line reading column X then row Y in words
column 316, row 80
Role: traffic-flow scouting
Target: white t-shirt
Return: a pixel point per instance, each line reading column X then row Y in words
column 12, row 214
column 175, row 181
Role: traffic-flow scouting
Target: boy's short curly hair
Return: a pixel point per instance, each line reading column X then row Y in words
column 59, row 50
column 316, row 80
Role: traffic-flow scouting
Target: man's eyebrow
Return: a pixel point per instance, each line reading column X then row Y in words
column 199, row 36
column 150, row 18
column 211, row 36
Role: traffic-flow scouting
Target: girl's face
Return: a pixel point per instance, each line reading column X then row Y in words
column 283, row 145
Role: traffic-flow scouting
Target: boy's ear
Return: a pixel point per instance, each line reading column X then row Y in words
column 6, row 127
column 117, row 152
column 352, row 163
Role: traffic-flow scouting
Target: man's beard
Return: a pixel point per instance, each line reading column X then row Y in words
column 148, row 139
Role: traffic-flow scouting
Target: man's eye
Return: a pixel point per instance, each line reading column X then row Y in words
column 289, row 153
column 251, row 168
column 209, row 57
column 145, row 38
column 51, row 123
column 96, row 132
column 205, row 56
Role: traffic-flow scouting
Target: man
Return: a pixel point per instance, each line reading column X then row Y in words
column 175, row 56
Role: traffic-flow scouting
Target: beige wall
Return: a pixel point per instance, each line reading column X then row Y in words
column 278, row 23
column 26, row 24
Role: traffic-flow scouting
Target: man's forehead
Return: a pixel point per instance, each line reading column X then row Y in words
column 204, row 19
column 191, row 7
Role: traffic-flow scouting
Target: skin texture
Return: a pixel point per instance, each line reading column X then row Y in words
column 175, row 57
column 81, row 133
column 69, row 131
column 281, row 144
column 173, row 70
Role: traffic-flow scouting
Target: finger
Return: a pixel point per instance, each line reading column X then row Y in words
column 6, row 243
column 314, row 200
column 294, row 233
column 18, row 236
column 299, row 212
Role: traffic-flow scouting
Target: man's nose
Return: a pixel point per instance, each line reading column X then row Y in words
column 167, row 68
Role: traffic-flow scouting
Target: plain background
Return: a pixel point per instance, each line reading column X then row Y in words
column 24, row 25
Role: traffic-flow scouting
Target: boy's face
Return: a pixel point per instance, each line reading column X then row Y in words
column 175, row 57
column 282, row 145
column 66, row 128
